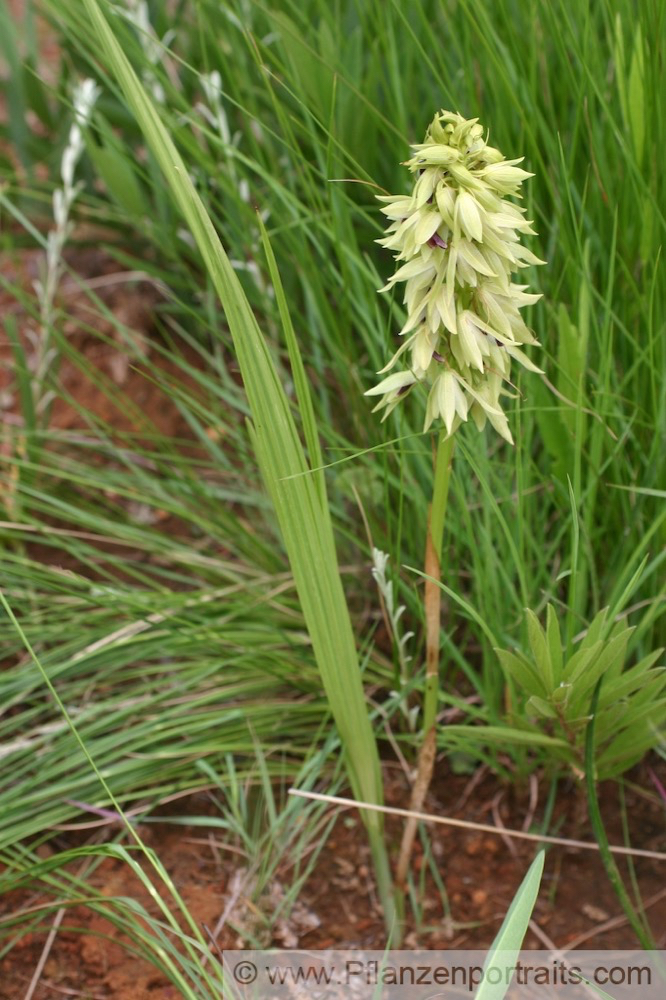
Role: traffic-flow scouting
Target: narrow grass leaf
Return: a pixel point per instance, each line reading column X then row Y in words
column 304, row 521
column 506, row 946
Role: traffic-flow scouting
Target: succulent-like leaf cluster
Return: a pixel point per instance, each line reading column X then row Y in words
column 558, row 690
column 459, row 239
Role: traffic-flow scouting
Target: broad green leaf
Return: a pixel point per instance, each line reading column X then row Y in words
column 631, row 746
column 586, row 675
column 541, row 707
column 540, row 651
column 595, row 630
column 521, row 671
column 632, row 679
column 580, row 661
column 630, row 720
column 506, row 947
column 642, row 704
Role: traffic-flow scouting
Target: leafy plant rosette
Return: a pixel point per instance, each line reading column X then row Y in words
column 555, row 687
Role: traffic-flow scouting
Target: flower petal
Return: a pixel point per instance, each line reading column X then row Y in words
column 467, row 335
column 428, row 224
column 392, row 383
column 469, row 216
column 445, row 388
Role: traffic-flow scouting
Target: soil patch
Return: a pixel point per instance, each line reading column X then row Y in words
column 337, row 907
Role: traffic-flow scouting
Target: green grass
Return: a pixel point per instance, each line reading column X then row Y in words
column 179, row 650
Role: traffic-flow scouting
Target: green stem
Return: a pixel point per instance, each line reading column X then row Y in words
column 432, row 604
column 385, row 887
column 599, row 830
column 440, row 496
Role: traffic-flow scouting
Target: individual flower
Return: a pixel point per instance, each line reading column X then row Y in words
column 457, row 239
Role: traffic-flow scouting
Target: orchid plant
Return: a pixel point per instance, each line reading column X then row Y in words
column 456, row 238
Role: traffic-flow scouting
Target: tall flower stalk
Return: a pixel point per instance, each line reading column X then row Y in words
column 456, row 238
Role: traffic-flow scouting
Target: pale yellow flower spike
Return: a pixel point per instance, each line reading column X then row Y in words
column 458, row 243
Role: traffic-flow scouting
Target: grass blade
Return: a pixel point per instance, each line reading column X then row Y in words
column 303, row 517
column 511, row 934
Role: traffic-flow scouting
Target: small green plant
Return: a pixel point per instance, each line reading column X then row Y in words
column 554, row 685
